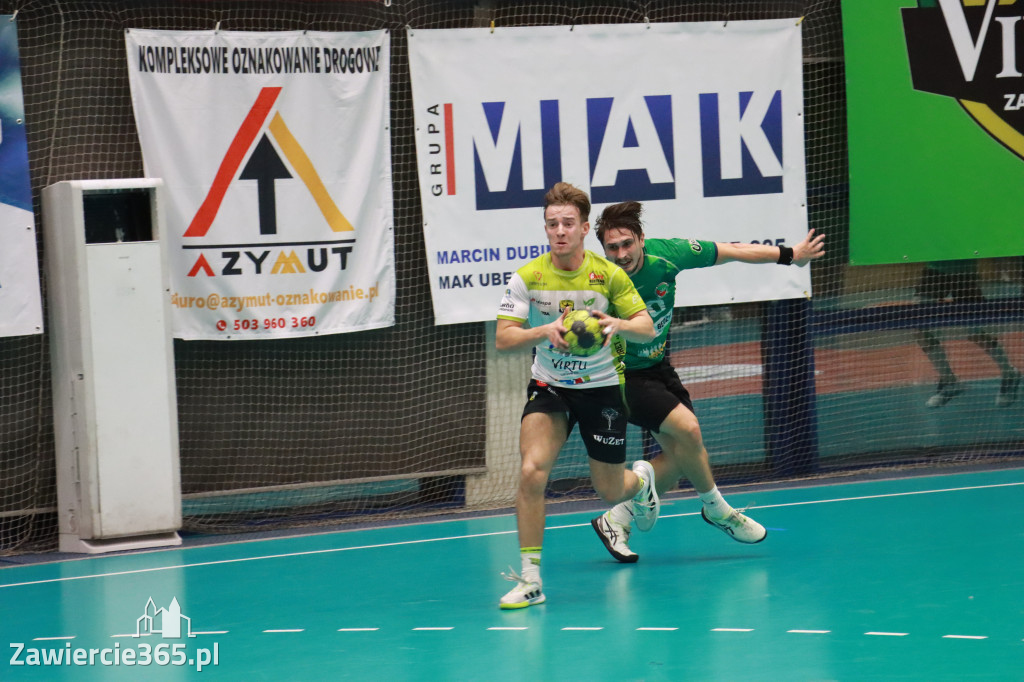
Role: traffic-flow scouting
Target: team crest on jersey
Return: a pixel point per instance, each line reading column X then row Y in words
column 695, row 246
column 596, row 279
column 565, row 306
column 661, row 289
column 968, row 50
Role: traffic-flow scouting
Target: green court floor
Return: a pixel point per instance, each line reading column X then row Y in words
column 908, row 579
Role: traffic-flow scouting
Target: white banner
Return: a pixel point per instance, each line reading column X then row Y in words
column 275, row 151
column 21, row 310
column 702, row 122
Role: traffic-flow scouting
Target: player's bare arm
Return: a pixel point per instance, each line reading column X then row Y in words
column 639, row 327
column 512, row 335
column 811, row 247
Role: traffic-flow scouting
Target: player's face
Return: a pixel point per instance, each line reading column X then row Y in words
column 624, row 249
column 565, row 230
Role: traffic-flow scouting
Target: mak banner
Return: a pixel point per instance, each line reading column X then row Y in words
column 275, row 151
column 699, row 121
column 935, row 99
column 21, row 310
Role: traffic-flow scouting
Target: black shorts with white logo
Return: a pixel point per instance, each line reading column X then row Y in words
column 652, row 393
column 600, row 413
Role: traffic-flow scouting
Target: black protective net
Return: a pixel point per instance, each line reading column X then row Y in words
column 397, row 421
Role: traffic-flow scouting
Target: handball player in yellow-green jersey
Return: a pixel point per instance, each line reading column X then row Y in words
column 567, row 389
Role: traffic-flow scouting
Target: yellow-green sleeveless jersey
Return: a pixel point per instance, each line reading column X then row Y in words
column 538, row 293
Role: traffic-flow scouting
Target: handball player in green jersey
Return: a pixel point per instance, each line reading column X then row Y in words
column 568, row 389
column 656, row 398
column 959, row 282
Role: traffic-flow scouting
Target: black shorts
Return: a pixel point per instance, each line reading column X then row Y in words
column 652, row 393
column 600, row 413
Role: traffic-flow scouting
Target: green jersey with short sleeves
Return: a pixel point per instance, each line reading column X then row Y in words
column 537, row 294
column 656, row 283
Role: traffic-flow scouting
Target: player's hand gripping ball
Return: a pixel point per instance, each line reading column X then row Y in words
column 583, row 333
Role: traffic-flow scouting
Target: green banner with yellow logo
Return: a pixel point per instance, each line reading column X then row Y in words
column 935, row 107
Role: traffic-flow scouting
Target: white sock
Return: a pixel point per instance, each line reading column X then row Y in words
column 531, row 563
column 714, row 504
column 622, row 513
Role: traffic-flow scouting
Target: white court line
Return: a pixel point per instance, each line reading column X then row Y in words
column 837, row 499
column 470, row 536
column 287, row 555
column 964, row 637
column 51, row 639
column 195, row 633
column 573, row 629
column 507, row 628
column 861, row 497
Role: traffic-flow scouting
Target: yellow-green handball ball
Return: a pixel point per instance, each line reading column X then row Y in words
column 583, row 333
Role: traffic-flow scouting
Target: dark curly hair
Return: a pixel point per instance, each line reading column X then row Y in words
column 625, row 215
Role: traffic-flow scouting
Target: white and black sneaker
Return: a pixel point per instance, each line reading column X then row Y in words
column 615, row 538
column 525, row 593
column 739, row 527
column 646, row 503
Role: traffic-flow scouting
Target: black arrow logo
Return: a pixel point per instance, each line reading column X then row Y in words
column 264, row 167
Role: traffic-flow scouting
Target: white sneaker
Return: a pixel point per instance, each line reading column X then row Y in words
column 525, row 593
column 615, row 538
column 946, row 391
column 646, row 503
column 739, row 527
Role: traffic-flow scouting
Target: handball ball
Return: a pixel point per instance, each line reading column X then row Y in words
column 583, row 333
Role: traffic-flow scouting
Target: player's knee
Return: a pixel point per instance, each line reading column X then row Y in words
column 683, row 426
column 532, row 476
column 692, row 435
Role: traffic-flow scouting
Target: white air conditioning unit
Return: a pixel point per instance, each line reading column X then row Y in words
column 115, row 406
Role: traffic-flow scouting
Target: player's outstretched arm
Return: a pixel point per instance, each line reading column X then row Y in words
column 807, row 250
